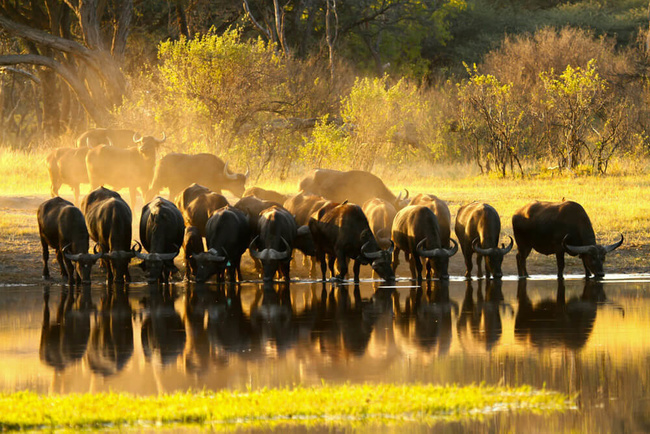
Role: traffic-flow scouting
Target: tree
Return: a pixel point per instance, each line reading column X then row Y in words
column 67, row 43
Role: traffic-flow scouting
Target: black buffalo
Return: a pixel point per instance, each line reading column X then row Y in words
column 555, row 228
column 161, row 234
column 478, row 228
column 355, row 186
column 273, row 246
column 417, row 233
column 61, row 226
column 109, row 222
column 178, row 171
column 343, row 233
column 227, row 236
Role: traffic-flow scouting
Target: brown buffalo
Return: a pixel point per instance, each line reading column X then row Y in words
column 269, row 195
column 130, row 168
column 67, row 166
column 177, row 171
column 478, row 227
column 380, row 216
column 355, row 186
column 555, row 228
column 197, row 204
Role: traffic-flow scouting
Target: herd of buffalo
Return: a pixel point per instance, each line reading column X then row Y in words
column 336, row 217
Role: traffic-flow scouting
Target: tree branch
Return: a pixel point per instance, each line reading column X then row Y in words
column 250, row 16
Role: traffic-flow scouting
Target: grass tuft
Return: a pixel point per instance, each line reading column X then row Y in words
column 343, row 404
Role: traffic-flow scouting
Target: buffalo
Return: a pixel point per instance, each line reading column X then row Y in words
column 61, row 226
column 227, row 236
column 67, row 166
column 343, row 233
column 356, row 186
column 177, row 171
column 416, row 232
column 269, row 195
column 161, row 234
column 109, row 222
column 478, row 227
column 130, row 168
column 197, row 204
column 274, row 244
column 380, row 216
column 556, row 228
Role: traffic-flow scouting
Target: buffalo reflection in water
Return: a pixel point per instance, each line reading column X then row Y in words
column 163, row 330
column 111, row 341
column 426, row 318
column 481, row 320
column 64, row 341
column 558, row 322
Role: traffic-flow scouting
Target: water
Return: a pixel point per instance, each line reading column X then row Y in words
column 589, row 340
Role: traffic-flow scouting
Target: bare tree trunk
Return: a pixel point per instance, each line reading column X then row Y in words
column 331, row 33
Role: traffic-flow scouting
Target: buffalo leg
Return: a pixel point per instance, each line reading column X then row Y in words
column 59, row 259
column 468, row 264
column 395, row 258
column 72, row 273
column 321, row 257
column 75, row 190
column 331, row 261
column 559, row 256
column 343, row 265
column 522, row 254
column 418, row 266
column 46, row 257
column 285, row 267
column 479, row 265
column 356, row 269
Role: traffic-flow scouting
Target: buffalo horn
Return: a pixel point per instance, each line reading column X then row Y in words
column 505, row 250
column 248, row 171
column 137, row 249
column 164, row 137
column 97, row 252
column 303, row 230
column 227, row 174
column 481, row 250
column 137, row 138
column 213, row 255
column 370, row 255
column 439, row 252
column 616, row 245
column 70, row 256
column 270, row 254
column 254, row 252
column 576, row 250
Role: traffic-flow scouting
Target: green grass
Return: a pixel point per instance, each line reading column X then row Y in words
column 345, row 404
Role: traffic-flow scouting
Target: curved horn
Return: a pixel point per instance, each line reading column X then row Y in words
column 248, row 171
column 167, row 256
column 227, row 174
column 481, row 250
column 278, row 255
column 575, row 250
column 407, row 194
column 110, row 142
column 97, row 252
column 253, row 251
column 70, row 256
column 164, row 137
column 506, row 250
column 392, row 247
column 614, row 246
column 137, row 138
column 213, row 255
column 137, row 249
column 437, row 251
column 370, row 255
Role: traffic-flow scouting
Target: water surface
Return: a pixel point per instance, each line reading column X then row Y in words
column 588, row 339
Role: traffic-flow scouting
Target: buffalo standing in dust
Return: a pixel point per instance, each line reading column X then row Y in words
column 67, row 166
column 555, row 228
column 61, row 226
column 355, row 186
column 343, row 232
column 130, row 168
column 197, row 203
column 478, row 227
column 270, row 195
column 161, row 233
column 178, row 171
column 417, row 233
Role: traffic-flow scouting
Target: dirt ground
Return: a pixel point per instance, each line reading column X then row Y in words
column 21, row 254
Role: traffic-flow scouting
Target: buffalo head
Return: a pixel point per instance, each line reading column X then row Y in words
column 493, row 256
column 593, row 256
column 439, row 256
